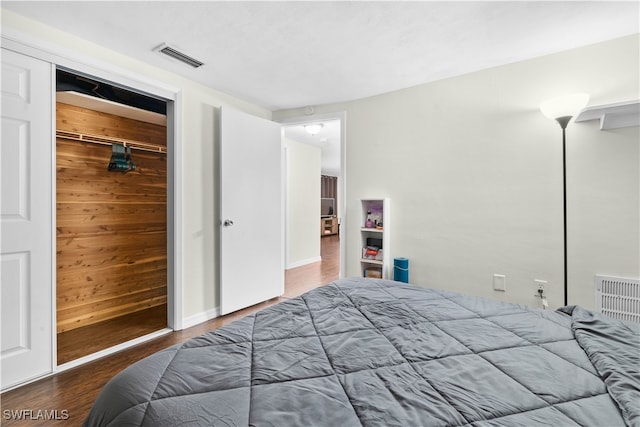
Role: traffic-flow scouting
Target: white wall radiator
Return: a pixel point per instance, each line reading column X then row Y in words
column 618, row 297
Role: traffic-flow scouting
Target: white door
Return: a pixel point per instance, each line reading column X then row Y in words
column 26, row 249
column 251, row 239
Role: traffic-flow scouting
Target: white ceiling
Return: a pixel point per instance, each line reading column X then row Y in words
column 290, row 54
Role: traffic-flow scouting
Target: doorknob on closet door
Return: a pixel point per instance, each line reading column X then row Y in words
column 227, row 223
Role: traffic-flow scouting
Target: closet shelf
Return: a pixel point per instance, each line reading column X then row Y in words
column 613, row 116
column 107, row 140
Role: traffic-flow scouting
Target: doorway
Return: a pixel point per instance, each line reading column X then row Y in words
column 323, row 194
column 111, row 220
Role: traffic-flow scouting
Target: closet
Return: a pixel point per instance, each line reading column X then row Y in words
column 111, row 222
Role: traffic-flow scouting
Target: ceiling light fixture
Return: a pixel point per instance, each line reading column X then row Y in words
column 313, row 129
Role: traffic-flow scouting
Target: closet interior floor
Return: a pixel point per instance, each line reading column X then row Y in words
column 90, row 339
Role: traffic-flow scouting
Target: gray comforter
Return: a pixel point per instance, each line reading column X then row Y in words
column 381, row 353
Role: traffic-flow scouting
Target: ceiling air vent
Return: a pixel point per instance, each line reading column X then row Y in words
column 176, row 54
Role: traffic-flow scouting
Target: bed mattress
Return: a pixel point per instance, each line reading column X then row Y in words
column 382, row 353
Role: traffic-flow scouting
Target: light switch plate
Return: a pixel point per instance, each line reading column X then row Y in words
column 499, row 282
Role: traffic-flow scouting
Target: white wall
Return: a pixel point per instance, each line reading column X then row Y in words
column 303, row 203
column 472, row 168
column 199, row 106
column 474, row 174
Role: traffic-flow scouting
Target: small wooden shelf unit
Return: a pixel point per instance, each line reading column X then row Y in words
column 375, row 257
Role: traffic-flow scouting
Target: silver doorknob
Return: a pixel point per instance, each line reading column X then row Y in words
column 227, row 223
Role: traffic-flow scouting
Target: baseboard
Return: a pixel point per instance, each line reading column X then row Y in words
column 198, row 318
column 303, row 262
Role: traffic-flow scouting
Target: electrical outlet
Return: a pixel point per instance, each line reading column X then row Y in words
column 540, row 284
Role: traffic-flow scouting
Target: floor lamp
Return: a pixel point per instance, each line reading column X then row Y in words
column 562, row 109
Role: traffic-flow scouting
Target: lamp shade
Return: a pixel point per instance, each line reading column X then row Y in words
column 564, row 106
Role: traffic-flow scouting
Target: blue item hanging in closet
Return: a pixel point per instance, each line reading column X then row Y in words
column 121, row 159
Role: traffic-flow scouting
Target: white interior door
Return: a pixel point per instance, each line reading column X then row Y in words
column 26, row 219
column 251, row 238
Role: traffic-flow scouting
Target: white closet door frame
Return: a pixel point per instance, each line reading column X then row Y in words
column 75, row 62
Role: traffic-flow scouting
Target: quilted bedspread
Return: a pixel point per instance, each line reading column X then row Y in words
column 382, row 353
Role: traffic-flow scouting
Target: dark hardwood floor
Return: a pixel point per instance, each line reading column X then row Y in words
column 72, row 392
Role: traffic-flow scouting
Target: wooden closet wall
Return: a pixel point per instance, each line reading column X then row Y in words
column 111, row 226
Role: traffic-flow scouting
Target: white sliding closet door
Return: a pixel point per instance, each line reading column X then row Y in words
column 251, row 237
column 26, row 219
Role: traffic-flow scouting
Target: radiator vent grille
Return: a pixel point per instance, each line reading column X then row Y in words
column 618, row 297
column 180, row 56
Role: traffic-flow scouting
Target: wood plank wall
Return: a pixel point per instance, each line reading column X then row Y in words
column 111, row 227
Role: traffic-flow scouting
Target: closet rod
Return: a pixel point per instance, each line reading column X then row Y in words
column 107, row 140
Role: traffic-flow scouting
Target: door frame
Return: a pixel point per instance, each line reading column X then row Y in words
column 62, row 58
column 340, row 116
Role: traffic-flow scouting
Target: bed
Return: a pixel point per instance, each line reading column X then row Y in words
column 374, row 352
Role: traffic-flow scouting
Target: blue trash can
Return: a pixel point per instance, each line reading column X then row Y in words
column 401, row 269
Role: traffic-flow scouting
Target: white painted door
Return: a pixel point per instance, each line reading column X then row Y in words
column 26, row 219
column 251, row 239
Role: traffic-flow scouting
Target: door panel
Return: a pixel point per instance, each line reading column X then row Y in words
column 26, row 219
column 251, row 242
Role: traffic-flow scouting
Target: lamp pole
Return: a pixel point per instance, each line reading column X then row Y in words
column 562, row 109
column 563, row 121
